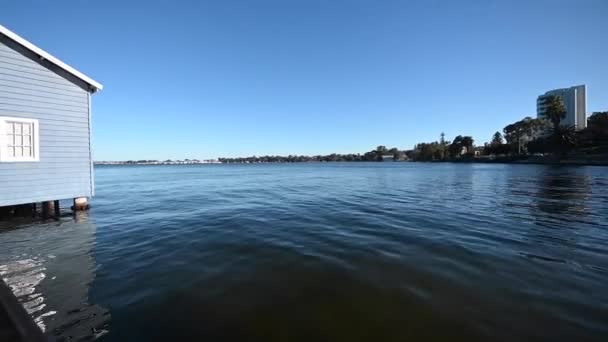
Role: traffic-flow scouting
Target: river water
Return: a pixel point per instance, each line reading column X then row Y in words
column 322, row 252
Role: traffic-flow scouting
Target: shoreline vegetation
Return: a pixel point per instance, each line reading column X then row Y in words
column 600, row 159
column 528, row 141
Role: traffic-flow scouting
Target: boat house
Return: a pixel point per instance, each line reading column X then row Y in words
column 45, row 128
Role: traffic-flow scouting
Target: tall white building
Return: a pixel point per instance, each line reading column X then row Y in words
column 575, row 101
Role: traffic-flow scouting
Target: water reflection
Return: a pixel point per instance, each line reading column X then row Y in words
column 24, row 276
column 555, row 203
column 562, row 191
column 324, row 252
column 49, row 267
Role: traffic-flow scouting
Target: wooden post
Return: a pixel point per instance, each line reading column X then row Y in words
column 24, row 210
column 6, row 212
column 48, row 209
column 57, row 209
column 80, row 203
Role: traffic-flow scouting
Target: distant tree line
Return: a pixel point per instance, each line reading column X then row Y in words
column 528, row 136
column 547, row 136
column 522, row 138
column 443, row 150
column 379, row 154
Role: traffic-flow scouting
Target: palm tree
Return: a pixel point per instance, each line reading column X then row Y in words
column 564, row 138
column 554, row 110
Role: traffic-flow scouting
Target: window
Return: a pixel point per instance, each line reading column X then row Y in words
column 18, row 140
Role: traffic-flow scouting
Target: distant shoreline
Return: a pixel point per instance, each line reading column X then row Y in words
column 531, row 160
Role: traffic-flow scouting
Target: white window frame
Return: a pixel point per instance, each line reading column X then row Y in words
column 4, row 155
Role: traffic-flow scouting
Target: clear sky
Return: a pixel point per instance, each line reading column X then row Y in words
column 204, row 79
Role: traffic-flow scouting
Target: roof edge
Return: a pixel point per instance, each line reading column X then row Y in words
column 21, row 41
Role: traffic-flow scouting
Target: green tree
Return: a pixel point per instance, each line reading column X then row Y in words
column 381, row 150
column 497, row 145
column 497, row 139
column 519, row 133
column 598, row 126
column 599, row 120
column 455, row 148
column 467, row 142
column 426, row 152
column 370, row 156
column 512, row 132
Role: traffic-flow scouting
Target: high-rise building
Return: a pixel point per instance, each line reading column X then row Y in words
column 575, row 101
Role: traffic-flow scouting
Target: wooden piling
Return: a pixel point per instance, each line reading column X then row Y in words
column 6, row 212
column 24, row 210
column 80, row 203
column 49, row 209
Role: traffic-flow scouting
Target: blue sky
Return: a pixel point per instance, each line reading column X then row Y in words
column 203, row 79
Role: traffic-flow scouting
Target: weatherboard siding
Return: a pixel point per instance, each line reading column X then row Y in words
column 29, row 89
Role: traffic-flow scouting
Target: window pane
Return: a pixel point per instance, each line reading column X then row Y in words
column 19, row 137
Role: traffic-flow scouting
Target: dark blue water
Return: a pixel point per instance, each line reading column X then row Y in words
column 353, row 251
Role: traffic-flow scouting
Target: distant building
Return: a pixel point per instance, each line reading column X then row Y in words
column 401, row 156
column 575, row 101
column 388, row 157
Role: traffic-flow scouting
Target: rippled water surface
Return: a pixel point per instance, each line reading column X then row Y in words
column 309, row 252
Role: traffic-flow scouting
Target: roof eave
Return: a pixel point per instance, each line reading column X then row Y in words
column 93, row 85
